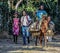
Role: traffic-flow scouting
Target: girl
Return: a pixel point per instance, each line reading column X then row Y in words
column 15, row 27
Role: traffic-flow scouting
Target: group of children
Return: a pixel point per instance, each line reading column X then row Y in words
column 25, row 23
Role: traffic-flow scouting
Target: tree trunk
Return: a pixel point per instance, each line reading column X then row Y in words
column 18, row 4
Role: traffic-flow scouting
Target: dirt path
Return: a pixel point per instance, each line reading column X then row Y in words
column 8, row 46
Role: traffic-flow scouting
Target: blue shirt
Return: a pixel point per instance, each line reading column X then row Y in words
column 40, row 13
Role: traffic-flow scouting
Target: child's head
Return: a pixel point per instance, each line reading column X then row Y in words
column 49, row 18
column 16, row 14
column 41, row 7
column 44, row 17
column 24, row 12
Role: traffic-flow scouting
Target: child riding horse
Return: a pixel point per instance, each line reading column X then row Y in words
column 42, row 29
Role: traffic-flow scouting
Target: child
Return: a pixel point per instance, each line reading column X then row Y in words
column 15, row 27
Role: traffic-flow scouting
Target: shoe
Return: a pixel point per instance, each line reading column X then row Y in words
column 24, row 44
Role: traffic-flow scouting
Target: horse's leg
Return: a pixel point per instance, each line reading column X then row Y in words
column 36, row 41
column 45, row 39
column 40, row 38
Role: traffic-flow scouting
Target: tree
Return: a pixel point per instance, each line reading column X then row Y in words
column 18, row 4
column 32, row 5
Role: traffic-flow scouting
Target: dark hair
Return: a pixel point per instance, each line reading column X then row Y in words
column 16, row 13
column 25, row 11
column 40, row 6
column 49, row 16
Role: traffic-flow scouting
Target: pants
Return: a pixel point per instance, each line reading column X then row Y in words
column 25, row 33
column 15, row 37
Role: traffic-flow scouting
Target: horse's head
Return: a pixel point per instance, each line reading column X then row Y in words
column 34, row 26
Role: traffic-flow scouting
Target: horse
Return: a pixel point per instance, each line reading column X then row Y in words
column 38, row 29
column 43, row 30
column 46, row 30
column 35, row 31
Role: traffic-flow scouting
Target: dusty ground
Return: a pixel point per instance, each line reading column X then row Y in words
column 8, row 46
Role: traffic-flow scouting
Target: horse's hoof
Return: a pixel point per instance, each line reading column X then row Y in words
column 46, row 46
column 35, row 44
column 41, row 46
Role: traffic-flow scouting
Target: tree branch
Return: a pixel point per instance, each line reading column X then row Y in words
column 18, row 4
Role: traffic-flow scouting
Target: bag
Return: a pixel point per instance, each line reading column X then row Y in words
column 28, row 21
column 49, row 33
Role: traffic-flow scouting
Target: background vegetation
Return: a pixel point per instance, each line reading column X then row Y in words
column 8, row 8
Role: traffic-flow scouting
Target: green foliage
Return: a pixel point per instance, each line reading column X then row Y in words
column 32, row 5
column 50, row 7
column 5, row 11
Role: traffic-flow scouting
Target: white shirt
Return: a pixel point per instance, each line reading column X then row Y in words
column 24, row 21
